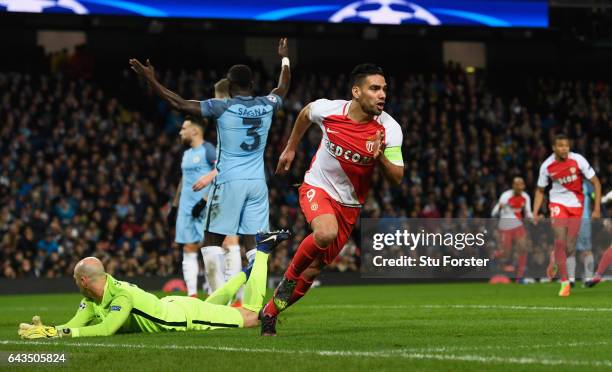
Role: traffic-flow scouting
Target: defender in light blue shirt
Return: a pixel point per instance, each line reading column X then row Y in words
column 238, row 200
column 243, row 123
column 197, row 161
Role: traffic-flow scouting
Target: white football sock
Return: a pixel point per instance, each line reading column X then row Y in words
column 571, row 268
column 190, row 272
column 214, row 267
column 250, row 255
column 589, row 266
column 233, row 265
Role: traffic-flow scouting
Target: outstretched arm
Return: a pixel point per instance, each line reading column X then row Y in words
column 120, row 311
column 83, row 316
column 302, row 123
column 177, row 102
column 284, row 80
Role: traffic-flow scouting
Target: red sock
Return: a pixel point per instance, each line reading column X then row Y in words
column 522, row 263
column 606, row 260
column 269, row 309
column 305, row 255
column 303, row 285
column 561, row 258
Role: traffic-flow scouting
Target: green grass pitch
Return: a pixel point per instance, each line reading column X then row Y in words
column 449, row 327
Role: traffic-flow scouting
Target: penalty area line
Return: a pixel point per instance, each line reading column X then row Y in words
column 334, row 353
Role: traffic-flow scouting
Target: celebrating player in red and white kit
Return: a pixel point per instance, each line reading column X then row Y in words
column 512, row 206
column 357, row 134
column 566, row 169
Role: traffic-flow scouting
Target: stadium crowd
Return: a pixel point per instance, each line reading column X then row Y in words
column 85, row 171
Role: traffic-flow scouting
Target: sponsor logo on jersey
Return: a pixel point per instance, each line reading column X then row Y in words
column 314, row 206
column 115, row 308
column 349, row 155
column 567, row 179
column 82, row 306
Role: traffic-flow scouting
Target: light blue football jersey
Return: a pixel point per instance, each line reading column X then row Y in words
column 196, row 163
column 242, row 132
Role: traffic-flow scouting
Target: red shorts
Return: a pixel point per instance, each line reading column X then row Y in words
column 510, row 235
column 563, row 216
column 315, row 202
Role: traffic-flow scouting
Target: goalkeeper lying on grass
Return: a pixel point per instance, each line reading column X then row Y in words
column 111, row 306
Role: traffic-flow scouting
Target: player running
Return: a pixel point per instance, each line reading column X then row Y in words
column 238, row 200
column 567, row 170
column 511, row 207
column 188, row 204
column 111, row 306
column 357, row 134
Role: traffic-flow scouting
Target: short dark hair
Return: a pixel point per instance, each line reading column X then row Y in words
column 195, row 121
column 364, row 70
column 240, row 75
column 560, row 136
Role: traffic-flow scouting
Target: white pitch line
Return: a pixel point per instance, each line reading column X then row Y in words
column 449, row 349
column 476, row 307
column 339, row 353
column 517, row 307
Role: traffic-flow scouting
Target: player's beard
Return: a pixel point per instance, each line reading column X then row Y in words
column 371, row 110
column 186, row 141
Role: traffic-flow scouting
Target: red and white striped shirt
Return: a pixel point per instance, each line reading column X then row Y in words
column 343, row 164
column 566, row 176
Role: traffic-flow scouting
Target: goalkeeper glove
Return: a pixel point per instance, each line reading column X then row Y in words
column 35, row 322
column 37, row 330
column 196, row 212
column 40, row 331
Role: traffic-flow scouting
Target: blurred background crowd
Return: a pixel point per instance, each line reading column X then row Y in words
column 88, row 167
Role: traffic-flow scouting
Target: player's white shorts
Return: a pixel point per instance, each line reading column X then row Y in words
column 238, row 207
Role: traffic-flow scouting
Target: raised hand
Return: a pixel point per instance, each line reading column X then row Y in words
column 147, row 72
column 283, row 47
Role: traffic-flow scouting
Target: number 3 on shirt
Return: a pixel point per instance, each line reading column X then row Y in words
column 251, row 132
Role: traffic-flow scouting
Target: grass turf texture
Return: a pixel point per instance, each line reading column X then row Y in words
column 409, row 327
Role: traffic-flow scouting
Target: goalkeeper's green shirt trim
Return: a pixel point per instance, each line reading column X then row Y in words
column 125, row 308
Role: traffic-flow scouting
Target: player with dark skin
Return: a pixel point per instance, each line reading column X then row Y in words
column 192, row 107
column 561, row 148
